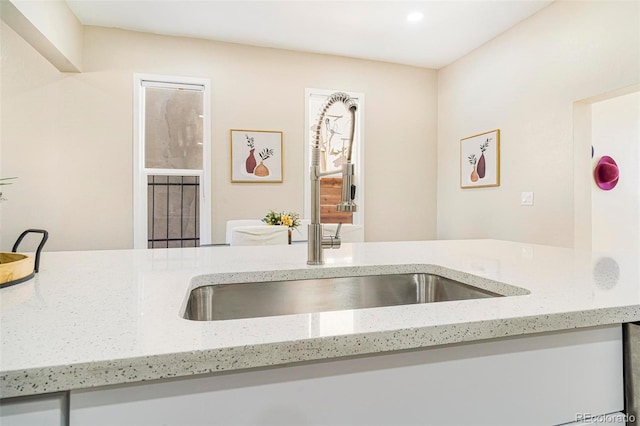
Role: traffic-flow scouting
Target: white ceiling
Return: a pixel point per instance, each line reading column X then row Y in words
column 365, row 29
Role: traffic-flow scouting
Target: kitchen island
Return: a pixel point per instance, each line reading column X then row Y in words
column 98, row 321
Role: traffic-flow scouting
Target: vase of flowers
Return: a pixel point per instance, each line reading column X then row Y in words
column 474, row 173
column 250, row 162
column 291, row 220
column 262, row 170
column 482, row 165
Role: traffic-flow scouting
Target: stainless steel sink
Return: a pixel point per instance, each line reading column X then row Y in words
column 270, row 298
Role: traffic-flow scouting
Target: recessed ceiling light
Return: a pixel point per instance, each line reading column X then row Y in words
column 415, row 16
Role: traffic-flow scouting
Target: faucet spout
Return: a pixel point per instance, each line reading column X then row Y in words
column 317, row 240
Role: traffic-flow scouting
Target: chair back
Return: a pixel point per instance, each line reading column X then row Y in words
column 301, row 233
column 241, row 222
column 259, row 235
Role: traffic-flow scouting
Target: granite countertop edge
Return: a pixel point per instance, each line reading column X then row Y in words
column 182, row 365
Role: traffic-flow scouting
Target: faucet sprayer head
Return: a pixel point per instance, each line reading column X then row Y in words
column 346, row 204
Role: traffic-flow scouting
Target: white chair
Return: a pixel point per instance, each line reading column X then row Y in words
column 259, row 235
column 243, row 222
column 301, row 233
column 348, row 233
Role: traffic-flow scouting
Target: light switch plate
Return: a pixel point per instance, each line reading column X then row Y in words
column 526, row 199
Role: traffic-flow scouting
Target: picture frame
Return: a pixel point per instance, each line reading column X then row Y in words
column 480, row 160
column 256, row 156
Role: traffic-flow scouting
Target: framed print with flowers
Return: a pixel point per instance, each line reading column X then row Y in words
column 480, row 160
column 256, row 156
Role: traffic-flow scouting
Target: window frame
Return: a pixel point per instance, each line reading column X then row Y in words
column 140, row 172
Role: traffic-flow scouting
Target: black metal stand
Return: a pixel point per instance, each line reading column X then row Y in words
column 45, row 237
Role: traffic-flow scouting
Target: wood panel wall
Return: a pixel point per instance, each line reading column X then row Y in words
column 330, row 192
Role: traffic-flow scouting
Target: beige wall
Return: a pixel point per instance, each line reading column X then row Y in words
column 68, row 137
column 525, row 83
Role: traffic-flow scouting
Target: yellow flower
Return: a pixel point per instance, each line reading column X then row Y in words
column 291, row 219
column 286, row 220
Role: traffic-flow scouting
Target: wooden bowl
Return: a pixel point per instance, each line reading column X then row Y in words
column 15, row 267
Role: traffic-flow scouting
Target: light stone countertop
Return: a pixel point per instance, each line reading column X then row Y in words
column 97, row 318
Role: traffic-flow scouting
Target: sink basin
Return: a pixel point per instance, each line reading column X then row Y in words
column 271, row 298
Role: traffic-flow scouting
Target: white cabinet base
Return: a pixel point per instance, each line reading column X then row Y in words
column 537, row 379
column 38, row 410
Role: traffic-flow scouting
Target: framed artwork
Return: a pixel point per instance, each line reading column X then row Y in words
column 256, row 156
column 480, row 160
